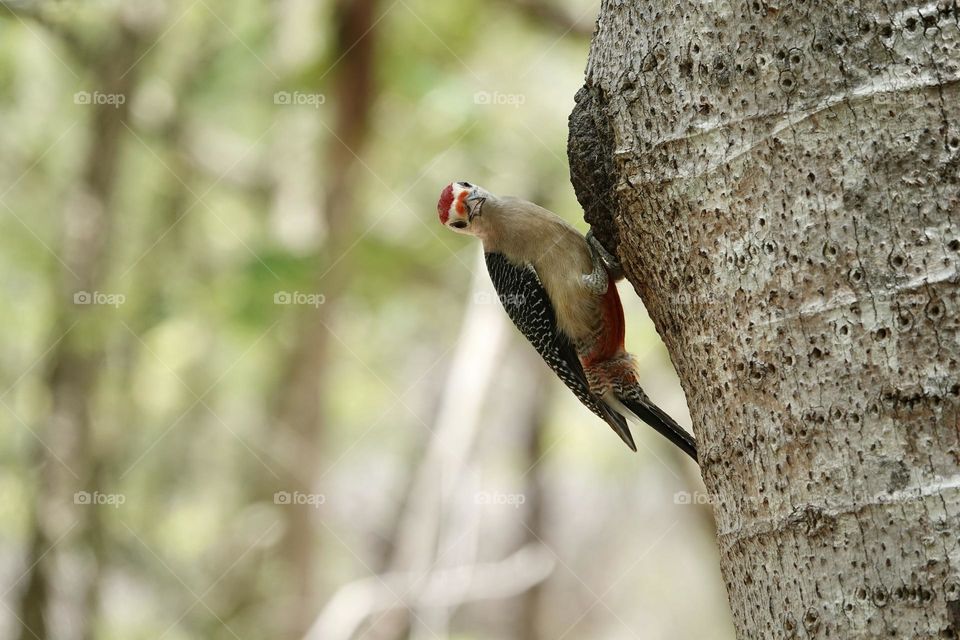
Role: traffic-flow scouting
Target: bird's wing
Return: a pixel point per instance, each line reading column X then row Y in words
column 526, row 302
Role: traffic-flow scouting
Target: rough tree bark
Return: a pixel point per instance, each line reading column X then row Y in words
column 780, row 180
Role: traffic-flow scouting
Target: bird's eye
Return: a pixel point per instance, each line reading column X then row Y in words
column 467, row 185
column 459, row 224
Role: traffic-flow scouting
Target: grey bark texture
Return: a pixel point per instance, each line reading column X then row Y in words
column 781, row 181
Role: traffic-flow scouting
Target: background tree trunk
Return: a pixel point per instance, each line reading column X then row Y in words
column 302, row 407
column 780, row 180
column 65, row 457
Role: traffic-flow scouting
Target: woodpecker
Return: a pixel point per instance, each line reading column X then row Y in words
column 558, row 287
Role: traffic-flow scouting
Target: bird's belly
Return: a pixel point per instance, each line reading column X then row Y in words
column 579, row 316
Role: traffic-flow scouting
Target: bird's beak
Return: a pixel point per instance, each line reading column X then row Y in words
column 475, row 209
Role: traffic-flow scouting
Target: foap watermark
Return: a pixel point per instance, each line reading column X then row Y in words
column 299, row 297
column 698, row 299
column 495, row 497
column 95, row 498
column 99, row 98
column 693, row 497
column 99, row 297
column 496, row 98
column 901, row 298
column 299, row 99
column 299, row 498
column 485, row 297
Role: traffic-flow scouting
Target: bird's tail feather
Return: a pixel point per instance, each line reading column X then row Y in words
column 619, row 425
column 654, row 416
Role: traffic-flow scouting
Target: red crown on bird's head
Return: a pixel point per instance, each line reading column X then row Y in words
column 453, row 200
column 443, row 206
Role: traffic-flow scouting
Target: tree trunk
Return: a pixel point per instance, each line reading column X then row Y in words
column 780, row 180
column 302, row 405
column 64, row 456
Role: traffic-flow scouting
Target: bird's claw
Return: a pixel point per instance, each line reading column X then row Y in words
column 614, row 269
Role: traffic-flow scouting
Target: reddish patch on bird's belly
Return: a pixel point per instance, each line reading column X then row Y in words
column 610, row 342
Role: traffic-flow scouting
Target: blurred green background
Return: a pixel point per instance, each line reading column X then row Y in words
column 252, row 389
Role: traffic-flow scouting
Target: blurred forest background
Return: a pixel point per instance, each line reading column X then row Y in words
column 252, row 389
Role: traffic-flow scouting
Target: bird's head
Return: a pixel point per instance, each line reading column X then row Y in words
column 461, row 207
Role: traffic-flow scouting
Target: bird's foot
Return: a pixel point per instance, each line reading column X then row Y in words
column 614, row 269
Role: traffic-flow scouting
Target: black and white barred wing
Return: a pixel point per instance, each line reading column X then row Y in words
column 526, row 302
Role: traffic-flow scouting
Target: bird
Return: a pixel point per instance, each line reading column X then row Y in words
column 559, row 289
